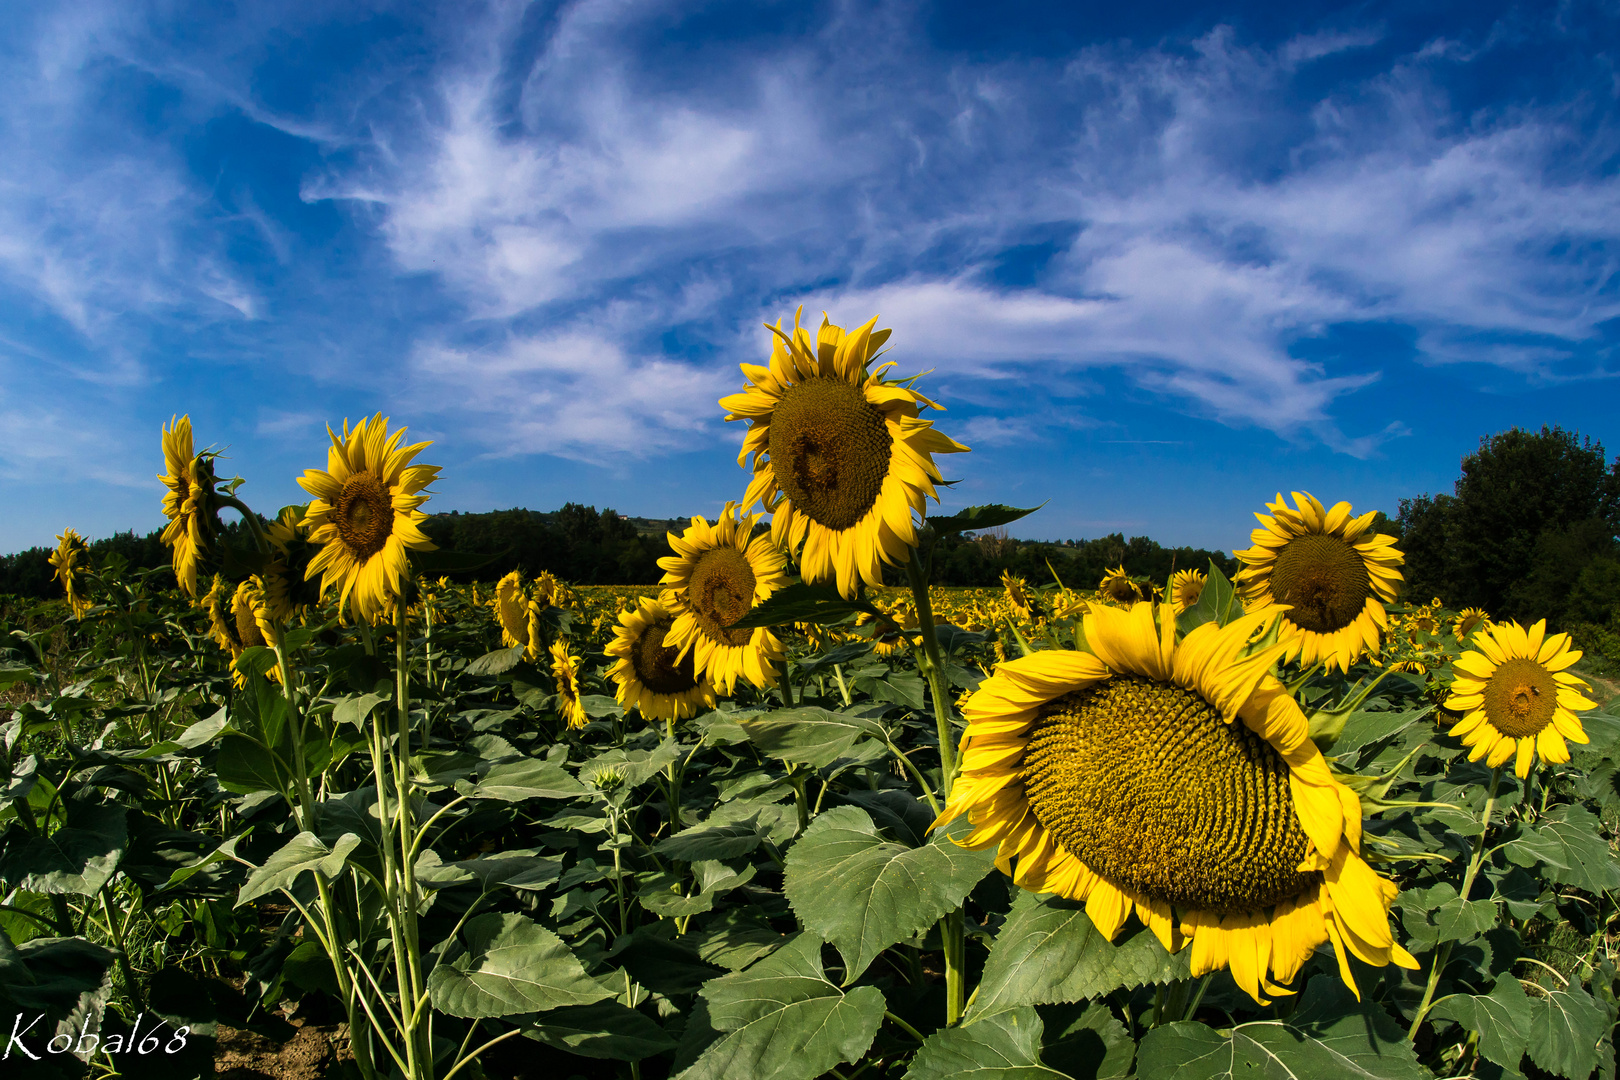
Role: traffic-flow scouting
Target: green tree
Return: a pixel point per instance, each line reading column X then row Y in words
column 1530, row 512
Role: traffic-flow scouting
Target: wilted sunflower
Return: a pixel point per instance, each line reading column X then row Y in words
column 715, row 577
column 365, row 514
column 565, row 669
column 68, row 561
column 1186, row 586
column 1116, row 586
column 1175, row 778
column 288, row 592
column 1019, row 596
column 891, row 632
column 1333, row 572
column 189, row 503
column 653, row 677
column 1517, row 698
column 841, row 458
column 1467, row 621
column 512, row 610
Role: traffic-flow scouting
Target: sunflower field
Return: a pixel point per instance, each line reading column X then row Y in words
column 771, row 819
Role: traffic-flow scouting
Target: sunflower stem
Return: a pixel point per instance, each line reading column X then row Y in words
column 934, row 671
column 1443, row 957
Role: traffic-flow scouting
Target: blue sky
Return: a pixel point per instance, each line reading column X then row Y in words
column 1162, row 264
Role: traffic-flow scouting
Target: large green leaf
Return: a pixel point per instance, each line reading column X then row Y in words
column 49, row 974
column 604, row 1030
column 1568, row 843
column 505, row 965
column 800, row 602
column 1501, row 1018
column 1086, row 1041
column 1330, row 1035
column 810, row 735
column 1365, row 727
column 781, row 1019
column 245, row 766
column 1566, row 1026
column 529, row 778
column 864, row 893
column 1218, row 603
column 303, row 852
column 80, row 857
column 974, row 518
column 1048, row 951
column 1005, row 1047
column 713, row 841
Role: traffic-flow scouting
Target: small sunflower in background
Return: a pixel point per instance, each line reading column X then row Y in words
column 365, row 516
column 1186, row 586
column 1176, row 779
column 1332, row 571
column 1117, row 587
column 69, row 560
column 1019, row 597
column 892, row 632
column 565, row 670
column 188, row 504
column 1467, row 621
column 1518, row 698
column 513, row 611
column 652, row 675
column 841, row 457
column 717, row 575
column 288, row 592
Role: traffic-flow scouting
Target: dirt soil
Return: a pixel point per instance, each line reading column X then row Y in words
column 247, row 1055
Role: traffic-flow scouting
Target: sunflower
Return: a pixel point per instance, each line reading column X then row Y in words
column 216, row 604
column 66, row 559
column 288, row 592
column 890, row 631
column 512, row 611
column 841, row 458
column 652, row 675
column 565, row 669
column 715, row 577
column 1333, row 572
column 189, row 503
column 365, row 514
column 1178, row 779
column 1467, row 621
column 1517, row 698
column 1186, row 586
column 1116, row 586
column 1019, row 596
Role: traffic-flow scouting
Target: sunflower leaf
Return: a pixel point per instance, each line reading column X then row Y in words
column 1502, row 1019
column 803, row 602
column 504, row 965
column 864, row 893
column 1565, row 1028
column 1007, row 1046
column 989, row 516
column 1329, row 1035
column 809, row 735
column 1567, row 843
column 1048, row 952
column 604, row 1030
column 780, row 1019
column 1218, row 603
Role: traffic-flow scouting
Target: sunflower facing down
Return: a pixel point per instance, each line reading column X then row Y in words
column 565, row 669
column 365, row 514
column 715, row 577
column 1332, row 571
column 287, row 591
column 1517, row 698
column 514, row 611
column 840, row 457
column 891, row 632
column 652, row 675
column 189, row 503
column 1176, row 779
column 1186, row 586
column 68, row 561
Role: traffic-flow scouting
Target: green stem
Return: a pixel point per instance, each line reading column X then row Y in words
column 801, row 801
column 410, row 962
column 1443, row 957
column 903, row 1026
column 123, row 952
column 674, row 771
column 934, row 671
column 954, row 939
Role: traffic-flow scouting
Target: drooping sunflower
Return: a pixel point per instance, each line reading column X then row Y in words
column 565, row 669
column 288, row 592
column 1467, row 621
column 69, row 562
column 512, row 610
column 1176, row 779
column 1117, row 586
column 365, row 514
column 1517, row 697
column 1333, row 572
column 188, row 504
column 1186, row 586
column 1019, row 597
column 652, row 675
column 716, row 576
column 841, row 458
